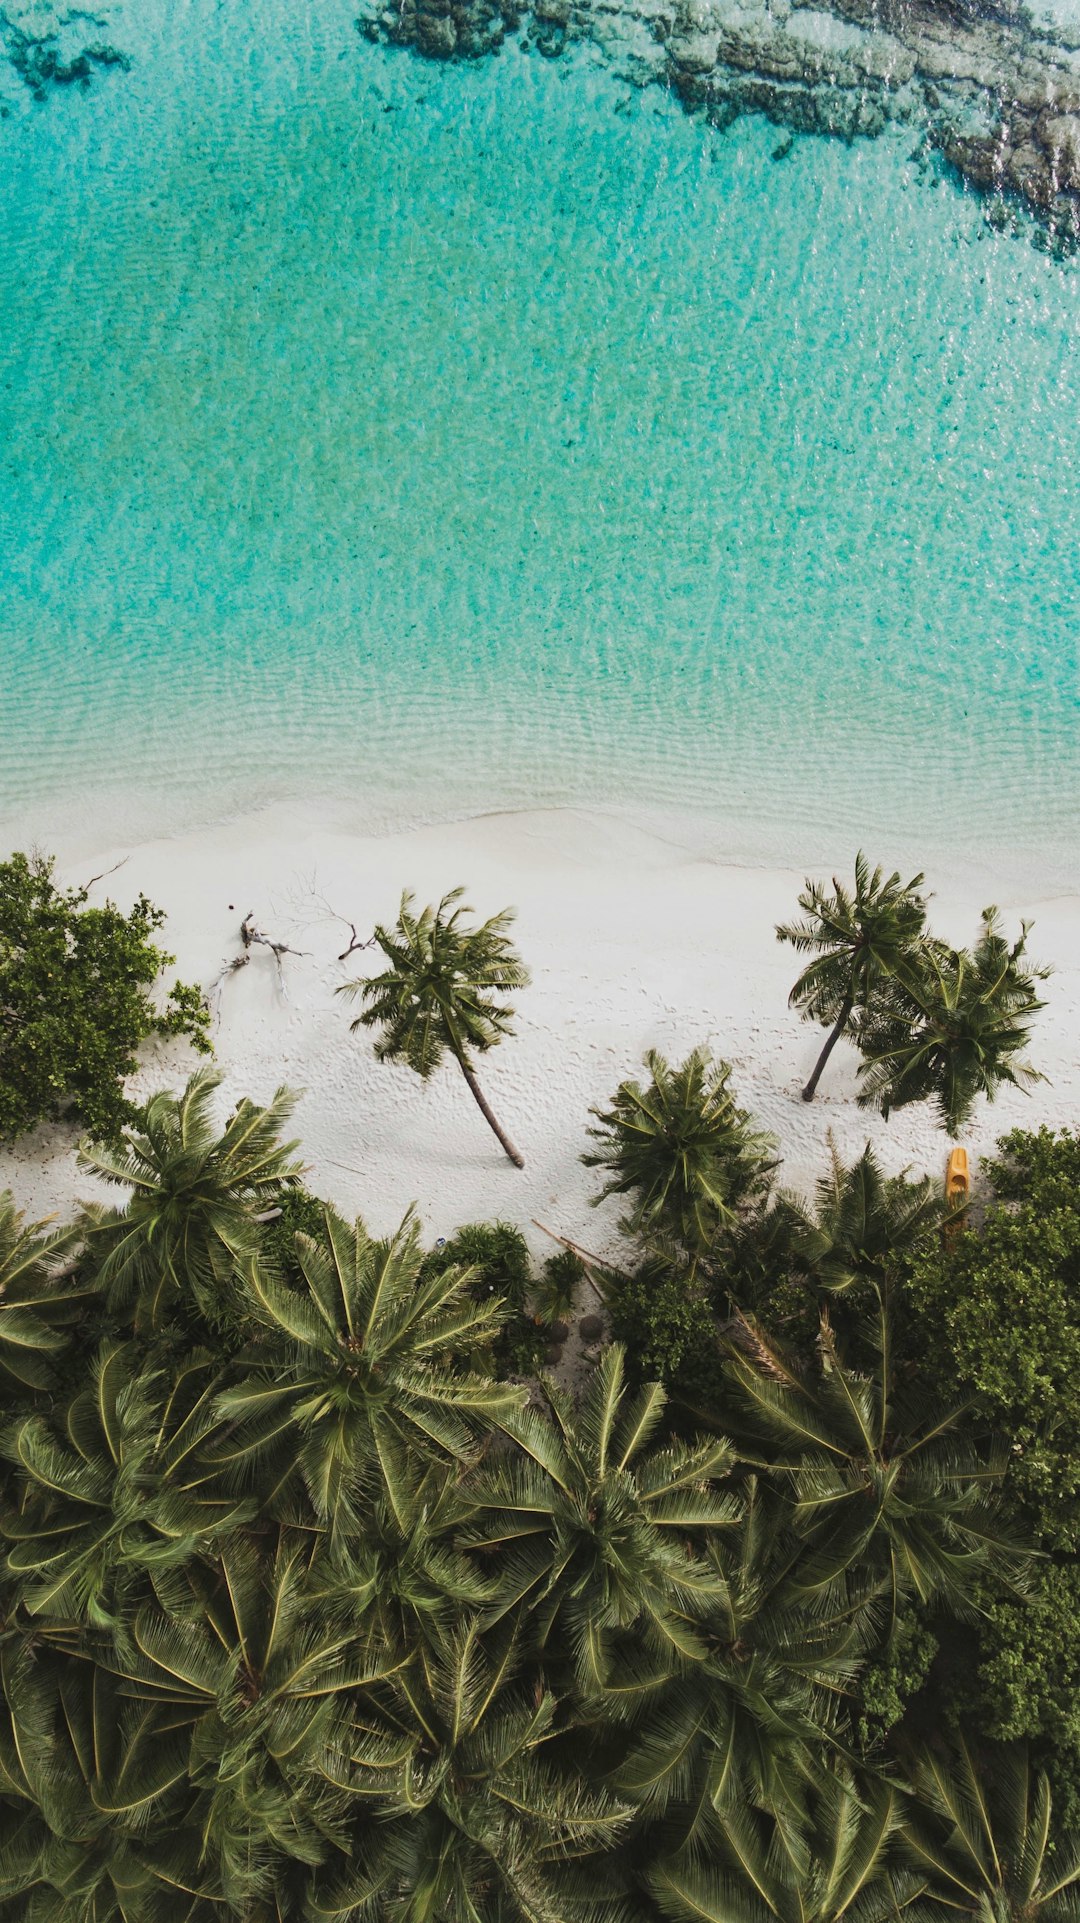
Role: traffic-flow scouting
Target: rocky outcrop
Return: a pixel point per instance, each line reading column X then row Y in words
column 998, row 99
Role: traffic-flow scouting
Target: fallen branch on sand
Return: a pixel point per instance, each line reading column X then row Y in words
column 251, row 934
column 327, row 912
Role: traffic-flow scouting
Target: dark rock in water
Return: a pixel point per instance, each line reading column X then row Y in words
column 997, row 98
column 436, row 34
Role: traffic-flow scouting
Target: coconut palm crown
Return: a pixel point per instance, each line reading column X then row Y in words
column 441, row 992
column 355, row 1374
column 189, row 1222
column 859, row 939
column 682, row 1149
column 601, row 1523
column 952, row 1029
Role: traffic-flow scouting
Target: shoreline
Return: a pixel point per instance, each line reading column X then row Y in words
column 633, row 943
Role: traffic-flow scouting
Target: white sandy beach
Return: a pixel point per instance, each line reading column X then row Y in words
column 633, row 942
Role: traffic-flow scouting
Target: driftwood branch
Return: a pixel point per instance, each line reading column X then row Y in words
column 251, row 935
column 213, row 993
column 327, row 912
column 122, row 863
column 588, row 1261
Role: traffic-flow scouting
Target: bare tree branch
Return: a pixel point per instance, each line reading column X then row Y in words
column 251, row 933
column 122, row 863
column 327, row 912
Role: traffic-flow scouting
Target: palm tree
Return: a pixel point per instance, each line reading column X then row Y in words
column 475, row 1819
column 951, row 1029
column 189, row 1222
column 747, row 1723
column 881, row 1479
column 354, row 1378
column 682, row 1149
column 438, row 994
column 981, row 1830
column 260, row 1683
column 119, row 1490
column 598, row 1529
column 859, row 940
column 863, row 1224
column 849, row 1866
column 99, row 1787
column 407, row 1579
column 41, row 1296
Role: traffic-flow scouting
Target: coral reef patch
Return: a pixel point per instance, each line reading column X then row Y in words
column 50, row 47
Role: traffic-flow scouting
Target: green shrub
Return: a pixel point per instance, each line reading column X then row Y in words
column 997, row 1315
column 894, row 1676
column 74, row 985
column 669, row 1330
column 560, row 1279
column 500, row 1254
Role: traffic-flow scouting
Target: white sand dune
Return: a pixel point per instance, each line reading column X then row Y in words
column 633, row 942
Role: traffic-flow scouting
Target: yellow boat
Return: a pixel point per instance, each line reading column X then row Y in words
column 957, row 1189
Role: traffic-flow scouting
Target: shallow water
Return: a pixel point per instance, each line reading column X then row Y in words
column 418, row 440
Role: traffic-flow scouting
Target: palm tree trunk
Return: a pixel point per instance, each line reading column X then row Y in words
column 505, row 1143
column 835, row 1033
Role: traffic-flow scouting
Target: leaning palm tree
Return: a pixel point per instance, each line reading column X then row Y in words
column 880, row 1477
column 683, row 1150
column 599, row 1527
column 952, row 1029
column 189, row 1221
column 437, row 997
column 981, row 1831
column 41, row 1296
column 859, row 941
column 353, row 1378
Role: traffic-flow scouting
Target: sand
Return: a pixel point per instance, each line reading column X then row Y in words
column 633, row 942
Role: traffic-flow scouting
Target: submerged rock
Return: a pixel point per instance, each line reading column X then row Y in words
column 47, row 46
column 998, row 99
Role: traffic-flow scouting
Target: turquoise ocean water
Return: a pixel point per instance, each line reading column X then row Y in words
column 411, row 441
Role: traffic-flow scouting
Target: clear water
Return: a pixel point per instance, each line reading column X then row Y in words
column 408, row 440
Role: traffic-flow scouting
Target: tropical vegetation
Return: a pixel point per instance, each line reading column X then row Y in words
column 932, row 1023
column 312, row 1607
column 320, row 1599
column 76, row 1002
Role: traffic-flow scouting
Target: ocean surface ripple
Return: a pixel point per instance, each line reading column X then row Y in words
column 419, row 440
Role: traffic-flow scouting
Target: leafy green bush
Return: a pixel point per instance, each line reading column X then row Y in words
column 997, row 1314
column 500, row 1254
column 894, row 1675
column 74, row 1001
column 560, row 1278
column 664, row 1319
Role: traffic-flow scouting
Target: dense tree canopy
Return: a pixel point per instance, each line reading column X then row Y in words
column 307, row 1614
